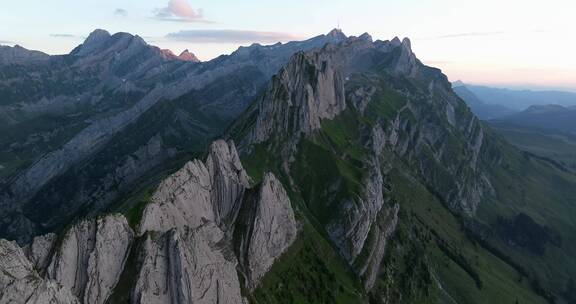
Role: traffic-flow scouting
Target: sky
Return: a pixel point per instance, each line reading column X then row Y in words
column 506, row 43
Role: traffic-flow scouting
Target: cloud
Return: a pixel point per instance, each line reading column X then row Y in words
column 6, row 42
column 231, row 36
column 468, row 34
column 180, row 11
column 120, row 12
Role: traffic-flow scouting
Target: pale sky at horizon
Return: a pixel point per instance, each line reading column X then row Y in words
column 505, row 43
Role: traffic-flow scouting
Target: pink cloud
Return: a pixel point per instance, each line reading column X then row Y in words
column 179, row 11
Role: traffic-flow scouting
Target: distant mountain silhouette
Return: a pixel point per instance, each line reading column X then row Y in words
column 520, row 99
column 483, row 110
column 553, row 117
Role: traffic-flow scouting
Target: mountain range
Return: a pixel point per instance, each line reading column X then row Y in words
column 551, row 117
column 332, row 170
column 481, row 109
column 491, row 103
column 81, row 130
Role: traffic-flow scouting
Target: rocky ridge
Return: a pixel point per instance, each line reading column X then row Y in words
column 19, row 55
column 107, row 88
column 351, row 77
column 183, row 248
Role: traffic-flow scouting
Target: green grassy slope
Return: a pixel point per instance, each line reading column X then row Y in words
column 436, row 255
column 431, row 259
column 543, row 246
column 309, row 272
column 461, row 270
column 550, row 144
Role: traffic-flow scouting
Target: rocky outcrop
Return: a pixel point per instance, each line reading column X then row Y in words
column 40, row 251
column 267, row 229
column 84, row 268
column 425, row 135
column 190, row 215
column 406, row 63
column 187, row 266
column 199, row 193
column 310, row 88
column 20, row 283
column 183, row 199
column 365, row 224
column 369, row 266
column 350, row 230
column 91, row 257
column 229, row 180
column 184, row 254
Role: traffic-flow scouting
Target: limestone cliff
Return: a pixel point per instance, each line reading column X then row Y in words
column 267, row 227
column 310, row 88
column 91, row 258
column 187, row 266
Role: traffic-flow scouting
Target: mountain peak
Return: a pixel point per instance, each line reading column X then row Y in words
column 184, row 56
column 366, row 36
column 396, row 41
column 100, row 40
column 337, row 35
column 458, row 83
column 97, row 35
column 94, row 40
column 188, row 56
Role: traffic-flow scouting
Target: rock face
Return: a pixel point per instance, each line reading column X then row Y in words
column 268, row 229
column 84, row 268
column 39, row 251
column 310, row 88
column 229, row 180
column 187, row 266
column 350, row 230
column 193, row 210
column 20, row 283
column 184, row 254
column 185, row 251
column 91, row 258
column 183, row 199
column 406, row 64
column 199, row 192
column 428, row 146
column 382, row 230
